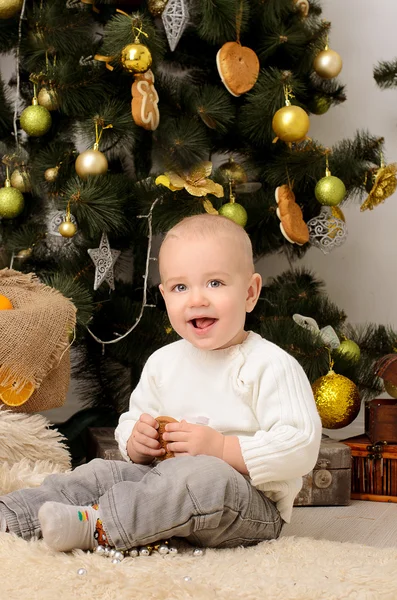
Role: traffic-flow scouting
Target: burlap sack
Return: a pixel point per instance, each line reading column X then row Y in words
column 34, row 340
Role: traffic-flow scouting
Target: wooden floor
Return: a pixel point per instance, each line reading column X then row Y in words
column 368, row 523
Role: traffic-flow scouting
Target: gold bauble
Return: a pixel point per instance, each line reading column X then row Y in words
column 21, row 181
column 349, row 350
column 9, row 8
column 235, row 212
column 67, row 229
column 330, row 191
column 11, row 202
column 291, row 123
column 22, row 254
column 337, row 399
column 91, row 162
column 136, row 58
column 233, row 172
column 327, row 64
column 51, row 174
column 48, row 98
column 156, row 7
column 390, row 388
column 35, row 120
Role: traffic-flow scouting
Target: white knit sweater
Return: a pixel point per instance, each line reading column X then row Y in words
column 254, row 390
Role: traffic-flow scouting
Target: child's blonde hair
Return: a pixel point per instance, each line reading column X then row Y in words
column 204, row 225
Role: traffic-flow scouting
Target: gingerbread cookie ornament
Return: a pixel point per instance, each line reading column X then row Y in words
column 292, row 225
column 238, row 67
column 144, row 104
column 163, row 421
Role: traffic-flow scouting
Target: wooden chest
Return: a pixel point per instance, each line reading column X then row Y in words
column 329, row 484
column 374, row 469
column 381, row 420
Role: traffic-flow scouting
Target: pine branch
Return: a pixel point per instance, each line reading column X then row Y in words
column 385, row 74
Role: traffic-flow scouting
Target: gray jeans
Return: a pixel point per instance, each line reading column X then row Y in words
column 200, row 498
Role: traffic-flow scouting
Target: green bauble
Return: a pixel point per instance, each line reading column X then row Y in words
column 36, row 120
column 319, row 105
column 330, row 191
column 349, row 350
column 11, row 202
column 235, row 212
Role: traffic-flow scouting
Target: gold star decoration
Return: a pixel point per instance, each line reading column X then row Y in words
column 385, row 184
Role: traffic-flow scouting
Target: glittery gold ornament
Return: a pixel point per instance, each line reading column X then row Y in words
column 328, row 63
column 337, row 399
column 291, row 124
column 22, row 254
column 233, row 172
column 67, row 229
column 9, row 8
column 156, row 7
column 51, row 174
column 235, row 212
column 330, row 190
column 384, row 185
column 11, row 202
column 21, row 181
column 91, row 162
column 335, row 213
column 136, row 58
column 390, row 388
column 48, row 98
column 349, row 350
column 35, row 120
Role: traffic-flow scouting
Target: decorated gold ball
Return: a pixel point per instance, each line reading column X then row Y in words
column 328, row 64
column 48, row 98
column 235, row 212
column 91, row 162
column 291, row 123
column 22, row 254
column 156, row 7
column 11, row 202
column 349, row 350
column 51, row 174
column 390, row 388
column 9, row 8
column 233, row 172
column 330, row 191
column 337, row 399
column 20, row 180
column 136, row 58
column 67, row 229
column 36, row 120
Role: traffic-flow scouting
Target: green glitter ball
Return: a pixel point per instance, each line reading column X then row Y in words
column 11, row 202
column 235, row 212
column 35, row 120
column 330, row 191
column 349, row 350
column 319, row 105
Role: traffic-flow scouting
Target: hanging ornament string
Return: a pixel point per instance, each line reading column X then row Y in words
column 239, row 19
column 98, row 134
column 144, row 304
column 17, row 92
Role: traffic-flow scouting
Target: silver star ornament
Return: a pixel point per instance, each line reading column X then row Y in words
column 104, row 259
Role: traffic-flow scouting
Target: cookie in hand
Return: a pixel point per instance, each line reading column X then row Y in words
column 162, row 421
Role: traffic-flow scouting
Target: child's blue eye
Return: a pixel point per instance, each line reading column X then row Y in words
column 215, row 283
column 180, row 287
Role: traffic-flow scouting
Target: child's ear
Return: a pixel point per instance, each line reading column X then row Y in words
column 161, row 289
column 254, row 289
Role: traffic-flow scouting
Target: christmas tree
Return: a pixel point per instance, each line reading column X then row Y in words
column 122, row 121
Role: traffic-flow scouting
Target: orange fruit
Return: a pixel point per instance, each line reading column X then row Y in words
column 10, row 396
column 5, row 304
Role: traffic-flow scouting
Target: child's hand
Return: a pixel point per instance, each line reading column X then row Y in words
column 188, row 438
column 143, row 445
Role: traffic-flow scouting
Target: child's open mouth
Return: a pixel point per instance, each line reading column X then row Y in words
column 202, row 324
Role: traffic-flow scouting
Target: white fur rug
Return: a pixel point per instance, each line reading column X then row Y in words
column 288, row 569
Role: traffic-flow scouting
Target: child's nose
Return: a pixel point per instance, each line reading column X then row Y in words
column 198, row 297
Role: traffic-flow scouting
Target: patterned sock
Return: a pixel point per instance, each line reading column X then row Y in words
column 99, row 533
column 65, row 527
